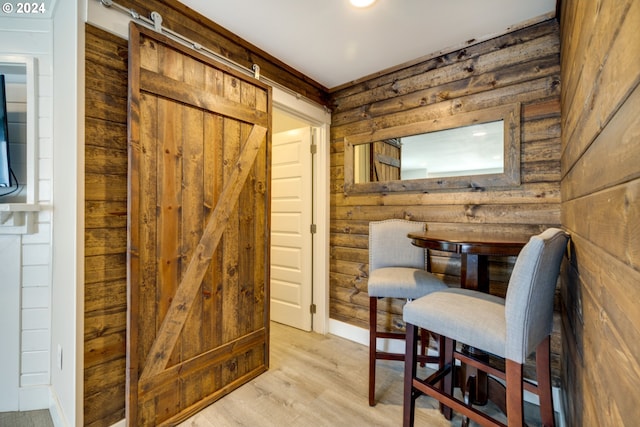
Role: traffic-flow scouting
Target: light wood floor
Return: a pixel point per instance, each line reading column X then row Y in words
column 317, row 380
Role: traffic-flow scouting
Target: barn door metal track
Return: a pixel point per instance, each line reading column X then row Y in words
column 155, row 22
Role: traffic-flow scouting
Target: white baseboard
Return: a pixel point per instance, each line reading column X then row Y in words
column 55, row 410
column 33, row 398
column 121, row 423
column 361, row 336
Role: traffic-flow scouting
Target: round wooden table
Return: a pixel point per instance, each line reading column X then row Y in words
column 475, row 248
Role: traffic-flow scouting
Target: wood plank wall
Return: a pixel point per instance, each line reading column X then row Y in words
column 600, row 208
column 106, row 189
column 105, row 227
column 522, row 66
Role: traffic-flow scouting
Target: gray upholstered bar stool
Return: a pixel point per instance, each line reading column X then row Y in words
column 397, row 269
column 511, row 328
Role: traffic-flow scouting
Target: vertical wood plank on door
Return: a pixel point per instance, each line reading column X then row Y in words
column 169, row 210
column 171, row 146
column 192, row 340
column 192, row 215
column 261, row 240
column 195, row 339
column 247, row 217
column 193, row 206
column 213, row 136
column 148, row 234
column 230, row 245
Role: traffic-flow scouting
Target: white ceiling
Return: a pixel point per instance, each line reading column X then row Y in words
column 334, row 43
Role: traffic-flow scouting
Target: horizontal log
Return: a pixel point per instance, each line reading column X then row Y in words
column 102, row 297
column 615, row 78
column 106, row 49
column 106, row 80
column 618, row 144
column 544, row 87
column 105, row 241
column 104, row 348
column 619, row 221
column 105, row 187
column 105, row 214
column 106, row 134
column 422, row 65
column 492, row 61
column 105, row 106
column 105, row 268
column 525, row 194
column 485, row 214
column 102, row 160
column 105, row 376
column 103, row 322
column 110, row 404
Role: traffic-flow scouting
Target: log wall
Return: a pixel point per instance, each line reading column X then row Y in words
column 600, row 208
column 105, row 290
column 519, row 67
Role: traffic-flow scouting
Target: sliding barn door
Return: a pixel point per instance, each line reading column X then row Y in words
column 198, row 255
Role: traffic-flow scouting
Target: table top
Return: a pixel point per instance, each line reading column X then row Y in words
column 465, row 242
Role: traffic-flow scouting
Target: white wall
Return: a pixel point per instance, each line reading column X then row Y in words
column 30, row 270
column 67, row 307
column 44, row 277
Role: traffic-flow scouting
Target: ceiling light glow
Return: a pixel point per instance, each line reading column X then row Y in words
column 362, row 3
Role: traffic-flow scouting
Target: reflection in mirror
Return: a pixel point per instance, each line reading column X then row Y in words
column 473, row 149
column 469, row 150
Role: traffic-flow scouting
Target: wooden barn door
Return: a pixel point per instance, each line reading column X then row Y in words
column 198, row 254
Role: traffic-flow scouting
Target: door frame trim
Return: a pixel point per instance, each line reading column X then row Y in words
column 319, row 118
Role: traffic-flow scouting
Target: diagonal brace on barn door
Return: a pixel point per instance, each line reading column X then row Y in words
column 180, row 307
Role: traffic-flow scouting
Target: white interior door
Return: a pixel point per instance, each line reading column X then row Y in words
column 291, row 237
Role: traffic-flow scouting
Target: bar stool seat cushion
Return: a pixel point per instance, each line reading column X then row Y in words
column 402, row 282
column 472, row 309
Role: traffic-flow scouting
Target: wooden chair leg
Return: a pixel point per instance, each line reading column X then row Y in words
column 441, row 341
column 543, row 373
column 424, row 344
column 373, row 328
column 410, row 357
column 515, row 408
column 448, row 381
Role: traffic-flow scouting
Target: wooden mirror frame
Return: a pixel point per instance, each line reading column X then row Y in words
column 510, row 113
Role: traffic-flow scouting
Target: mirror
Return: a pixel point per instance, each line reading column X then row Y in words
column 467, row 150
column 19, row 72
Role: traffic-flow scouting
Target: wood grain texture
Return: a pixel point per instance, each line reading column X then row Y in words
column 321, row 380
column 522, row 67
column 106, row 61
column 171, row 371
column 105, row 228
column 600, row 189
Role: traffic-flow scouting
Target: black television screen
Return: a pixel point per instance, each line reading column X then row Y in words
column 5, row 166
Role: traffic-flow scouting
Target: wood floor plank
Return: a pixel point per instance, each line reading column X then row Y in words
column 319, row 380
